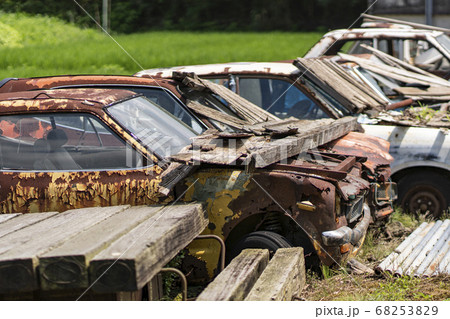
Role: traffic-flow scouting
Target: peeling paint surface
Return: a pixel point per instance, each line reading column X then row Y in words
column 59, row 191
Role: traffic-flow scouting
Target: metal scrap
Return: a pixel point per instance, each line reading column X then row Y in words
column 424, row 253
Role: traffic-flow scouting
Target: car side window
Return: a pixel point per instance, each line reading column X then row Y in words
column 63, row 142
column 354, row 46
column 280, row 98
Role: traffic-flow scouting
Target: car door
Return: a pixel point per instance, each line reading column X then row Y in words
column 61, row 161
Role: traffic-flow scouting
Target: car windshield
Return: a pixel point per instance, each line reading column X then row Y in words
column 153, row 126
column 331, row 102
column 444, row 40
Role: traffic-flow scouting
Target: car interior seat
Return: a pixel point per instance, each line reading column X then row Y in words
column 58, row 155
column 41, row 151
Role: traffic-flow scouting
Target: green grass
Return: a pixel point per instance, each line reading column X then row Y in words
column 39, row 46
column 336, row 284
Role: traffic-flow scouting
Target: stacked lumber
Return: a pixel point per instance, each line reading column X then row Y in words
column 283, row 139
column 336, row 82
column 111, row 249
column 243, row 108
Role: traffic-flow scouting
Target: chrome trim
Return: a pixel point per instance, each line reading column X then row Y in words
column 344, row 234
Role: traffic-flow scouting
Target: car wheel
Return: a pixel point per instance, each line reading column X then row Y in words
column 424, row 193
column 259, row 239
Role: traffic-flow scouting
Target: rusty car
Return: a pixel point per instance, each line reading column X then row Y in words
column 192, row 103
column 236, row 197
column 421, row 164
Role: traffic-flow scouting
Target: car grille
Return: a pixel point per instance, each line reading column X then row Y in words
column 354, row 209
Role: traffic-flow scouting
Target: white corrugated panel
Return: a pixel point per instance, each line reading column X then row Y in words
column 424, row 253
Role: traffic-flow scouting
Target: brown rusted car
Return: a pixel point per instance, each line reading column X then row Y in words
column 321, row 203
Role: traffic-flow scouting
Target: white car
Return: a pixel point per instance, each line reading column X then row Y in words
column 427, row 49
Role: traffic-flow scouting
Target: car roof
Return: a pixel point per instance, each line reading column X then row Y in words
column 25, row 84
column 64, row 99
column 376, row 32
column 281, row 68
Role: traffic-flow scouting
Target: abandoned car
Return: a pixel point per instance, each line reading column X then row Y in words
column 421, row 164
column 427, row 49
column 63, row 149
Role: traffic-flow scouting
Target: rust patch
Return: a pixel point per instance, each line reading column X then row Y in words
column 359, row 144
column 39, row 192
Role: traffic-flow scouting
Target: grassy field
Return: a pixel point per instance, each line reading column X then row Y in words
column 39, row 46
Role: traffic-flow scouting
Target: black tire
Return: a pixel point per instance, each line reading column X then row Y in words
column 259, row 239
column 424, row 193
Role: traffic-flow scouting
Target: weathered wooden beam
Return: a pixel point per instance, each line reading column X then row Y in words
column 134, row 259
column 22, row 221
column 5, row 217
column 263, row 152
column 210, row 113
column 360, row 87
column 283, row 279
column 412, row 24
column 395, row 73
column 429, row 92
column 19, row 250
column 66, row 267
column 304, row 65
column 403, row 64
column 238, row 278
column 323, row 131
column 172, row 175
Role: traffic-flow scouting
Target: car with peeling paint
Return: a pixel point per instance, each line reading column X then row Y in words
column 427, row 49
column 421, row 164
column 314, row 202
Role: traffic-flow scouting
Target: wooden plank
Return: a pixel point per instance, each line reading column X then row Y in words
column 5, row 217
column 66, row 267
column 276, row 285
column 216, row 115
column 431, row 91
column 339, row 84
column 395, row 73
column 238, row 278
column 22, row 221
column 362, row 88
column 19, row 250
column 172, row 175
column 146, row 249
column 155, row 288
column 405, row 65
column 412, row 24
column 344, row 83
column 304, row 66
column 257, row 149
column 223, row 155
column 429, row 97
column 242, row 107
column 324, row 131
